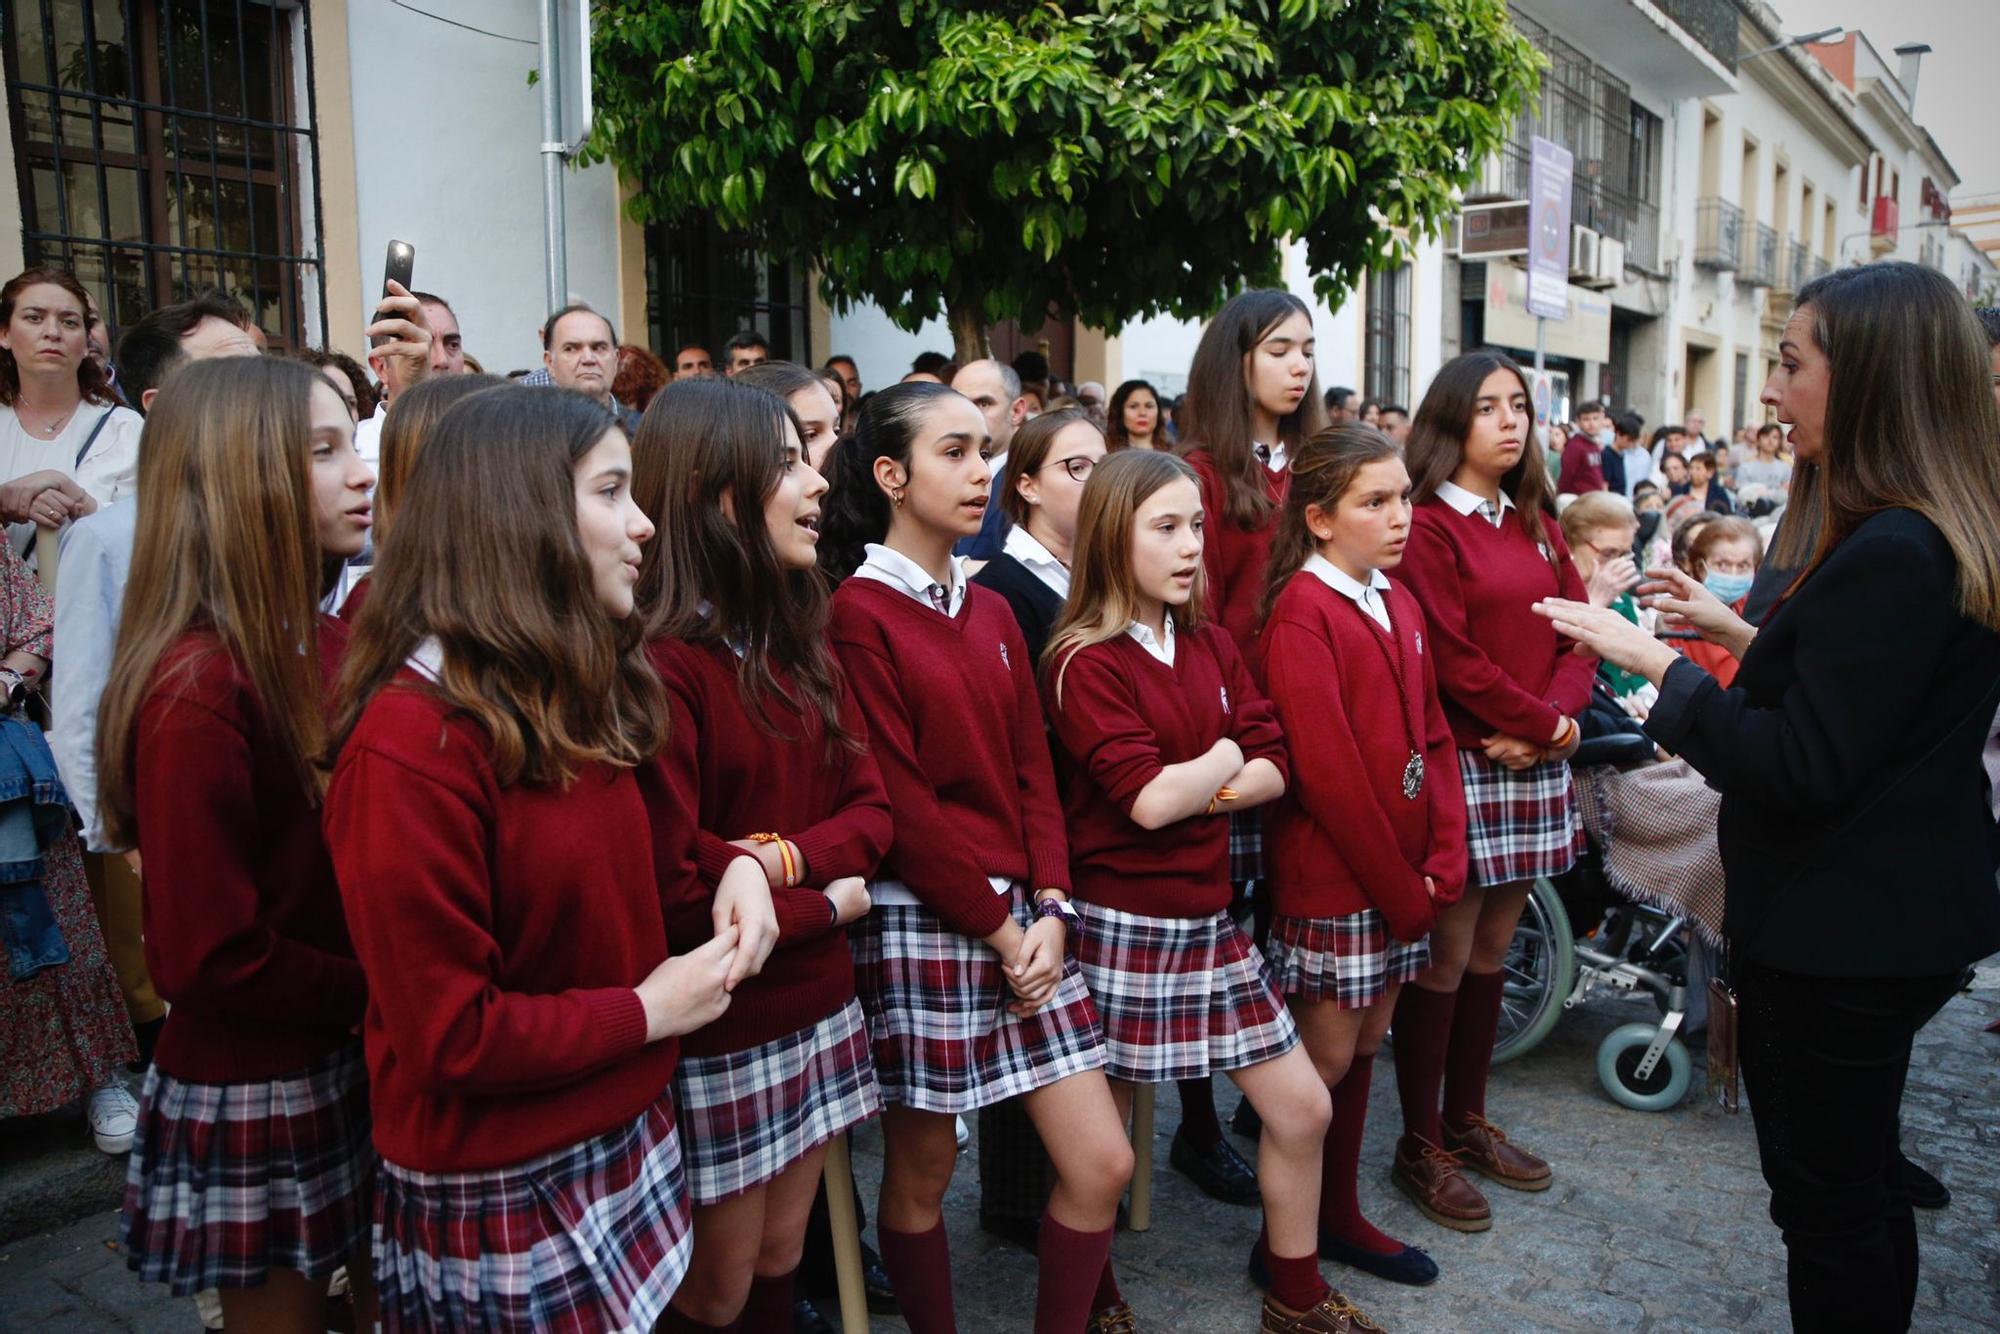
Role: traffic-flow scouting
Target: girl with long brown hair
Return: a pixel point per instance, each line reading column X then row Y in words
column 1369, row 843
column 1483, row 546
column 507, row 854
column 765, row 741
column 961, row 966
column 1252, row 399
column 250, row 1169
column 1132, row 421
column 1162, row 733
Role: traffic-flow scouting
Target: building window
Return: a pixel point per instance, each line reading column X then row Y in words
column 165, row 147
column 1386, row 360
column 704, row 287
column 1643, row 179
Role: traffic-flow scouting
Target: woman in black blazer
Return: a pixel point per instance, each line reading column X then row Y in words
column 1856, row 832
column 1047, row 464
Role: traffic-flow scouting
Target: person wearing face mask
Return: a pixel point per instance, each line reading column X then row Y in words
column 1724, row 555
column 1583, row 452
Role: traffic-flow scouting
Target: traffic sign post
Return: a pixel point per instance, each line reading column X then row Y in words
column 1550, row 167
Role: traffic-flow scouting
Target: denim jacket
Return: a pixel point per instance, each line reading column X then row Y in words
column 33, row 812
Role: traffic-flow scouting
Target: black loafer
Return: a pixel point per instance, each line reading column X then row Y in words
column 881, row 1292
column 1925, row 1191
column 1260, row 1268
column 1246, row 1122
column 1409, row 1265
column 806, row 1318
column 1219, row 1170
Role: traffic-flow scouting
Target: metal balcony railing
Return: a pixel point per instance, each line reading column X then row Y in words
column 1593, row 204
column 1718, row 234
column 1712, row 23
column 1794, row 265
column 1760, row 259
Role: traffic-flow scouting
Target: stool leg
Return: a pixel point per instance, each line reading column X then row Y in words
column 1141, row 1214
column 846, row 1230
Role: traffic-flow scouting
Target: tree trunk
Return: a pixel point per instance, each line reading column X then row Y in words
column 968, row 332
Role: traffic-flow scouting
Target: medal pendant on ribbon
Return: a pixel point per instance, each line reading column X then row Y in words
column 1413, row 776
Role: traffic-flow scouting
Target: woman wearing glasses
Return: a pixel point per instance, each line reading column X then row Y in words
column 1047, row 465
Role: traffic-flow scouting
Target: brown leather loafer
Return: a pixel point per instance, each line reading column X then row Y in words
column 1440, row 1191
column 1484, row 1147
column 1119, row 1319
column 1334, row 1315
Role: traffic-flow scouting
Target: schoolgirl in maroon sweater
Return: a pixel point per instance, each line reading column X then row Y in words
column 1484, row 547
column 1252, row 399
column 768, row 746
column 507, row 853
column 251, row 1166
column 1369, row 843
column 962, row 965
column 1161, row 734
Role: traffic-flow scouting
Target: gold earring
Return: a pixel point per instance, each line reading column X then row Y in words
column 897, row 496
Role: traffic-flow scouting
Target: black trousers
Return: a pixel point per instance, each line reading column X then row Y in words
column 1824, row 1060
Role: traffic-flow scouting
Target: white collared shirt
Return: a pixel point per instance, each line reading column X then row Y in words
column 1273, row 455
column 1161, row 649
column 1372, row 597
column 1465, row 502
column 1024, row 547
column 906, row 576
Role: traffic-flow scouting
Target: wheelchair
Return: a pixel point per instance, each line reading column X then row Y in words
column 1578, row 936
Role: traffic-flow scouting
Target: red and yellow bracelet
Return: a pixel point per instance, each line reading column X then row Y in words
column 786, row 856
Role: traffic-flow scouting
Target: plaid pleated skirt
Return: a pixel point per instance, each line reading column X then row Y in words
column 586, row 1240
column 1519, row 826
column 1349, row 960
column 1179, row 997
column 943, row 1037
column 229, row 1181
column 746, row 1116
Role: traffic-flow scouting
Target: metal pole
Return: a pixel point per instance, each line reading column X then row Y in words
column 553, row 155
column 1541, row 332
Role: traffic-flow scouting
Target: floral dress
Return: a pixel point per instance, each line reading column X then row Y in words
column 64, row 1031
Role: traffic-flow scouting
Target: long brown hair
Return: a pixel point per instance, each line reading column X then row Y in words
column 1436, row 446
column 418, row 411
column 712, row 578
column 1216, row 414
column 1115, row 437
column 1322, row 470
column 1103, row 600
column 1926, row 443
column 485, row 560
column 227, row 542
column 90, row 381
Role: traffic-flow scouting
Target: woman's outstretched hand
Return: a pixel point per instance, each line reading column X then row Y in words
column 1682, row 600
column 1610, row 636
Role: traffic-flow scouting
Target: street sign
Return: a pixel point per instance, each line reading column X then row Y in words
column 1549, row 172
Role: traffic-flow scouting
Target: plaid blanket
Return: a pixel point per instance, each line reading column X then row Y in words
column 1656, row 827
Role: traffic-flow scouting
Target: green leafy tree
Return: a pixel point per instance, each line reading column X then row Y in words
column 1107, row 160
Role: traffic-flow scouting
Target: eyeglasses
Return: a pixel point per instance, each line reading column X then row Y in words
column 1078, row 466
column 1608, row 552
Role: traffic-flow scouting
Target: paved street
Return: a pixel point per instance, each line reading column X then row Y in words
column 1656, row 1223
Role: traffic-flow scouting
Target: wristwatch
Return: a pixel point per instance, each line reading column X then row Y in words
column 16, row 686
column 1062, row 908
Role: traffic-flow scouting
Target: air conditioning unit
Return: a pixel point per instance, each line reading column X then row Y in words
column 1583, row 252
column 1610, row 264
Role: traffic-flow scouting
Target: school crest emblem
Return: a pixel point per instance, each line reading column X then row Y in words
column 1224, row 692
column 1004, row 662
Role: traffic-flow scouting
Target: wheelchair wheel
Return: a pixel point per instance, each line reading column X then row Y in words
column 1540, row 970
column 1618, row 1060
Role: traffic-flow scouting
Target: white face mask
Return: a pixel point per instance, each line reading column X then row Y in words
column 1605, row 436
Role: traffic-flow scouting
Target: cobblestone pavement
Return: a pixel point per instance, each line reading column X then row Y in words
column 1656, row 1223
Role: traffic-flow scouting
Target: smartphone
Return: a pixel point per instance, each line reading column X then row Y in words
column 399, row 267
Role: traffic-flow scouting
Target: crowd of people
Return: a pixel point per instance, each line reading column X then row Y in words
column 518, row 824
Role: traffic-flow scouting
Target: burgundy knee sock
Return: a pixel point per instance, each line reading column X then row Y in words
column 1295, row 1281
column 1340, row 1162
column 1070, row 1269
column 1198, row 1120
column 1108, row 1295
column 677, row 1322
column 1470, row 1054
column 1423, row 1031
column 770, row 1304
column 919, row 1264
